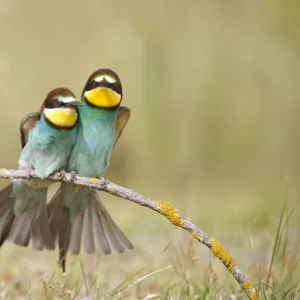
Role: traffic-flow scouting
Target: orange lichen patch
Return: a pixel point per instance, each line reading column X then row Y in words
column 247, row 285
column 94, row 179
column 196, row 236
column 253, row 296
column 219, row 251
column 169, row 212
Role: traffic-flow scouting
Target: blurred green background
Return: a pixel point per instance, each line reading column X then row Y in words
column 214, row 91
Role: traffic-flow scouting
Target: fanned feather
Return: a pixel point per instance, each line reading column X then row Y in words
column 93, row 228
column 6, row 213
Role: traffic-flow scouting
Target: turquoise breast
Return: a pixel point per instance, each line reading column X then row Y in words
column 95, row 140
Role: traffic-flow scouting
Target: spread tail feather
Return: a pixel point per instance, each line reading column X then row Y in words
column 93, row 227
column 116, row 238
column 30, row 217
column 6, row 213
column 32, row 224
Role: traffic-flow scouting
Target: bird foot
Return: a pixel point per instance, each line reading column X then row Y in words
column 73, row 176
column 62, row 174
column 103, row 182
column 28, row 173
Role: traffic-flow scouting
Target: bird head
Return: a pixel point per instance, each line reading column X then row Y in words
column 60, row 108
column 103, row 89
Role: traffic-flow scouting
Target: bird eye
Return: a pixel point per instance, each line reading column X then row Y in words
column 115, row 86
column 56, row 103
column 94, row 83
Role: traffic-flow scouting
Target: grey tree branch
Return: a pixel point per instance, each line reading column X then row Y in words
column 159, row 206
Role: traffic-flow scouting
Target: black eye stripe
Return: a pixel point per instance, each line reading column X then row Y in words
column 53, row 103
column 115, row 86
column 91, row 85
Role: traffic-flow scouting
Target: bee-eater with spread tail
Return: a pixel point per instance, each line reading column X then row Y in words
column 76, row 213
column 47, row 139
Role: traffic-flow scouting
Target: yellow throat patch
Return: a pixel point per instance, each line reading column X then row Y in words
column 102, row 97
column 62, row 117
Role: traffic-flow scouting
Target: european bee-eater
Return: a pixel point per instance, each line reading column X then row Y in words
column 76, row 213
column 47, row 139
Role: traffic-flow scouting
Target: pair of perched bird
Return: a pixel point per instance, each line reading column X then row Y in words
column 73, row 136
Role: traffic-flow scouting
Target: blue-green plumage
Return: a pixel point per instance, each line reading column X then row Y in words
column 47, row 150
column 96, row 134
column 76, row 213
column 91, row 153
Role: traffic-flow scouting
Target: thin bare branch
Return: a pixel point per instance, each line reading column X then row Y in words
column 159, row 206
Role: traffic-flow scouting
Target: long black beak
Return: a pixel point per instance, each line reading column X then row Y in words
column 74, row 104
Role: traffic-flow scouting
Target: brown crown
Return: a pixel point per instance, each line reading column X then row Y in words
column 100, row 72
column 61, row 91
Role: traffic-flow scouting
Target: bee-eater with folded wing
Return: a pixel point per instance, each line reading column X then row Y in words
column 76, row 213
column 47, row 138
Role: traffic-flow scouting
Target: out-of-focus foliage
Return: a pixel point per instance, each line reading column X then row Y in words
column 215, row 98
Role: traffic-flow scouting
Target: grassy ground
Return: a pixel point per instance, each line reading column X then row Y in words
column 167, row 263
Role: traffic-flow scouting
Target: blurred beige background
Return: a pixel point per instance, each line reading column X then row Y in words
column 215, row 97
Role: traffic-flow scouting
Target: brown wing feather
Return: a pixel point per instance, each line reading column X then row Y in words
column 27, row 124
column 122, row 119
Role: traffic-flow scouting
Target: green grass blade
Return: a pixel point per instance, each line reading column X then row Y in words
column 84, row 278
column 277, row 240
